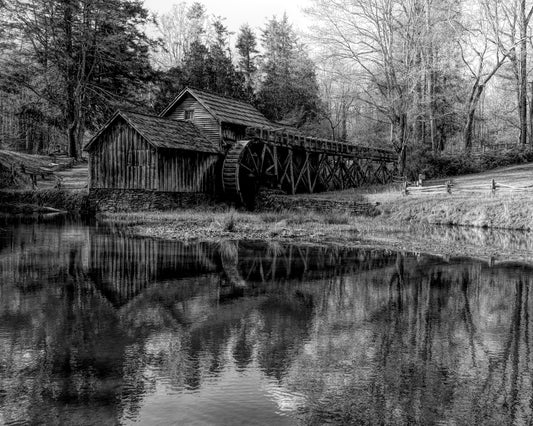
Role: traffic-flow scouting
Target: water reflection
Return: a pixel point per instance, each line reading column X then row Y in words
column 98, row 327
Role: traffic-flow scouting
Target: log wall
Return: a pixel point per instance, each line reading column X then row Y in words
column 202, row 118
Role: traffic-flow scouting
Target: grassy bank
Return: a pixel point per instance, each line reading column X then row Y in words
column 502, row 211
column 230, row 224
column 27, row 201
column 301, row 228
column 405, row 223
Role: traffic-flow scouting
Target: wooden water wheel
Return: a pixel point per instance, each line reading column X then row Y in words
column 247, row 166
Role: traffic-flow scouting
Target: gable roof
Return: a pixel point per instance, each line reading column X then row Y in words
column 224, row 109
column 163, row 133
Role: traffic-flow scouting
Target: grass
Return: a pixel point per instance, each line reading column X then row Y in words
column 398, row 213
column 502, row 211
column 230, row 223
column 405, row 222
column 71, row 201
column 341, row 230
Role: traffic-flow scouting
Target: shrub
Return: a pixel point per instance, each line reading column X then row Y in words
column 439, row 165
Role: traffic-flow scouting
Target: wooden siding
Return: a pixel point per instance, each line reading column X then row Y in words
column 202, row 118
column 187, row 171
column 233, row 132
column 122, row 159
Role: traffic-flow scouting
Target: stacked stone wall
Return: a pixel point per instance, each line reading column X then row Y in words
column 279, row 201
column 120, row 200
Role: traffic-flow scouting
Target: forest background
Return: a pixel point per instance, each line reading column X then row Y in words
column 446, row 83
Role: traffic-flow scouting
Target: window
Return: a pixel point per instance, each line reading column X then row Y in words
column 189, row 114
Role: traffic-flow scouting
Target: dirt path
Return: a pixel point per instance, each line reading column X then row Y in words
column 71, row 179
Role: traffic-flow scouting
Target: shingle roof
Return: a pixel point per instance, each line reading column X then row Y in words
column 164, row 133
column 227, row 110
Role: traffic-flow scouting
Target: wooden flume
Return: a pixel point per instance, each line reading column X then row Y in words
column 301, row 164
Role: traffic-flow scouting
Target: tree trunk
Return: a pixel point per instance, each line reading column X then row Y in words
column 430, row 67
column 402, row 160
column 72, row 140
column 399, row 140
column 522, row 107
column 531, row 116
column 468, row 131
column 70, row 74
column 344, row 129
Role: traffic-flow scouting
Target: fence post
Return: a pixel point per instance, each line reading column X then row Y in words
column 493, row 186
column 449, row 187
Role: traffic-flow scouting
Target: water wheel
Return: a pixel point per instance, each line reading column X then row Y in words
column 247, row 166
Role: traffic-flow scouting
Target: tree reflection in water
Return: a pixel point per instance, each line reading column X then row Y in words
column 93, row 323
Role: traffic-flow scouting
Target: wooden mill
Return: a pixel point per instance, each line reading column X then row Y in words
column 208, row 144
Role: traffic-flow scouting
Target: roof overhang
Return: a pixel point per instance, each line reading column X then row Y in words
column 119, row 114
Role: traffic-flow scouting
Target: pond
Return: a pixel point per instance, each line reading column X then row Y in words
column 98, row 327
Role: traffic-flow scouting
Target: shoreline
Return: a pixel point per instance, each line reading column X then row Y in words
column 495, row 227
column 388, row 231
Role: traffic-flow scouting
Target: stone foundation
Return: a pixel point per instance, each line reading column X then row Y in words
column 120, row 200
column 279, row 201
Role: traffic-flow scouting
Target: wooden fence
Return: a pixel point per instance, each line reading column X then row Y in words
column 450, row 187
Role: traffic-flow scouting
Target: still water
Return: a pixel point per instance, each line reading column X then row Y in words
column 97, row 327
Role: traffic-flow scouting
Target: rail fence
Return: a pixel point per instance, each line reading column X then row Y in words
column 450, row 187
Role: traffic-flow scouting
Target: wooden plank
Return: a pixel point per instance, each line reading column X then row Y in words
column 291, row 169
column 302, row 171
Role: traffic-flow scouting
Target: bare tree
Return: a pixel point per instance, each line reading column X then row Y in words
column 509, row 22
column 484, row 50
column 172, row 27
column 178, row 29
column 339, row 96
column 392, row 54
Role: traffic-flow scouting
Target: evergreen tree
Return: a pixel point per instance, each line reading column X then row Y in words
column 196, row 66
column 211, row 68
column 223, row 76
column 288, row 90
column 197, row 17
column 168, row 84
column 82, row 56
column 247, row 49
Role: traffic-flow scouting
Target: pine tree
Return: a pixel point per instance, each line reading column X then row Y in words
column 195, row 65
column 82, row 56
column 247, row 49
column 223, row 77
column 288, row 90
column 211, row 68
column 197, row 18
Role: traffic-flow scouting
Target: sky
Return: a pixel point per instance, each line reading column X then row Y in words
column 238, row 12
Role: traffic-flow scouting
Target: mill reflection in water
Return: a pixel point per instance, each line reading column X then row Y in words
column 100, row 328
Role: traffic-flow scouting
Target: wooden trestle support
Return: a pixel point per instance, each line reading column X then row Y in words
column 298, row 164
